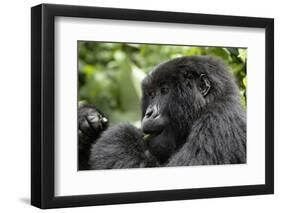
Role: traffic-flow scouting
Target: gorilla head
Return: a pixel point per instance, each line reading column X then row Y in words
column 176, row 93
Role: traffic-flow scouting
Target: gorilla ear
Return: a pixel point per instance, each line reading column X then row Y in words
column 204, row 85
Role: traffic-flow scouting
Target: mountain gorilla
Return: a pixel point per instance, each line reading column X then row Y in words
column 191, row 115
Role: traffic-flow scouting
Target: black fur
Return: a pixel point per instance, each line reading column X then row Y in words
column 192, row 111
column 121, row 146
column 91, row 123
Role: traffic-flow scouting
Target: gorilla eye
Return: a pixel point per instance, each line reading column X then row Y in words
column 151, row 94
column 164, row 90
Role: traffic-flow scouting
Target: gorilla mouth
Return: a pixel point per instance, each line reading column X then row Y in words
column 148, row 137
column 151, row 132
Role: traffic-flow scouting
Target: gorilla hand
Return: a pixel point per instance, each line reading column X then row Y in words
column 91, row 123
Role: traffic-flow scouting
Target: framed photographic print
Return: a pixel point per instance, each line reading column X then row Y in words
column 139, row 106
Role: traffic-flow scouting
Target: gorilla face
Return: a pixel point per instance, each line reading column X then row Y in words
column 156, row 121
column 155, row 118
column 172, row 94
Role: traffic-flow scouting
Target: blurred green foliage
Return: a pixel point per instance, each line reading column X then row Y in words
column 110, row 73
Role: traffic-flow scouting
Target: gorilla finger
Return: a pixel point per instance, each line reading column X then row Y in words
column 85, row 127
column 83, row 138
column 97, row 121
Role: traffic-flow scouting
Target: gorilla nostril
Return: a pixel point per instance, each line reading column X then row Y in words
column 148, row 113
column 156, row 115
column 152, row 112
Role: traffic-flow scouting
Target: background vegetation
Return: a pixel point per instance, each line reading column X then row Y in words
column 110, row 73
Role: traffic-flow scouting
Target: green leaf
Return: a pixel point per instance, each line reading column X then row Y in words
column 88, row 69
column 220, row 52
column 129, row 99
column 244, row 82
column 242, row 54
column 137, row 76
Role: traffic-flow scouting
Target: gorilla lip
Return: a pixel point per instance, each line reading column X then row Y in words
column 147, row 137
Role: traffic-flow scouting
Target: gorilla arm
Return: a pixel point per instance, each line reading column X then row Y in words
column 121, row 146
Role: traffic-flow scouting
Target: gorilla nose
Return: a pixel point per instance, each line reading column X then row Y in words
column 153, row 122
column 152, row 112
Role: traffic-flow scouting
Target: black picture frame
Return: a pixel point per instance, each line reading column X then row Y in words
column 43, row 102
